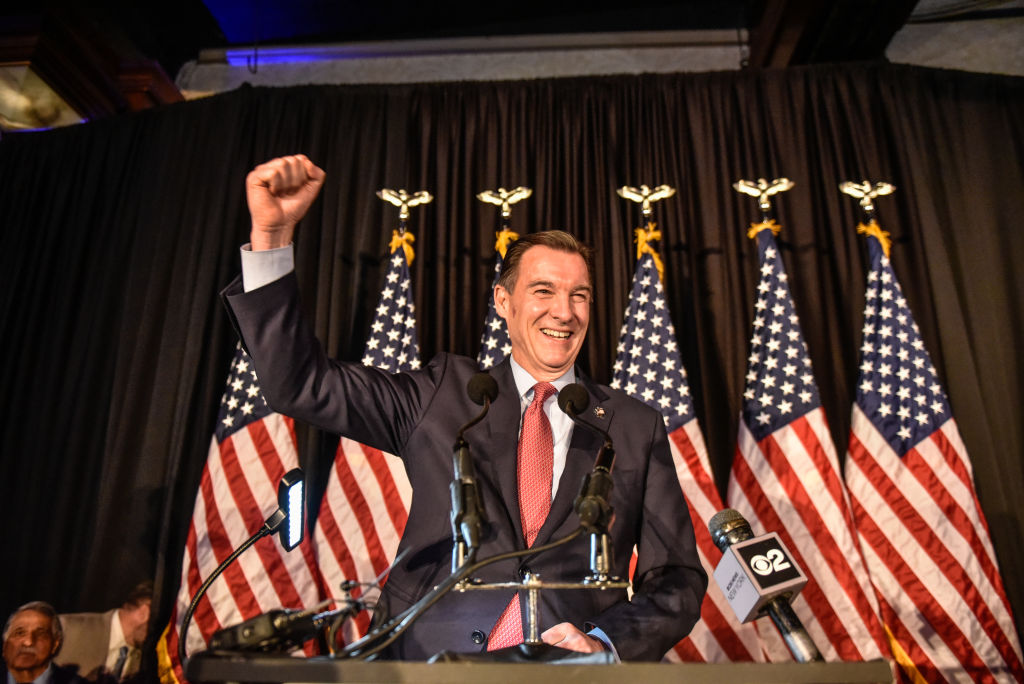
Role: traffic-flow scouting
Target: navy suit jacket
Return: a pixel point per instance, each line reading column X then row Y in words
column 417, row 415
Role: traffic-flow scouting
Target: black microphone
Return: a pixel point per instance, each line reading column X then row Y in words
column 467, row 515
column 758, row 575
column 278, row 630
column 592, row 505
column 482, row 388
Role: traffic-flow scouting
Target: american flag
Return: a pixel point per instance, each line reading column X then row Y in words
column 495, row 344
column 785, row 477
column 366, row 503
column 251, row 449
column 924, row 536
column 648, row 367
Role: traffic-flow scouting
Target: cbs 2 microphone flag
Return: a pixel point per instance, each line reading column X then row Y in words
column 251, row 450
column 366, row 502
column 648, row 367
column 785, row 475
column 924, row 536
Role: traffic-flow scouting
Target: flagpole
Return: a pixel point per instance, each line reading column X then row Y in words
column 494, row 341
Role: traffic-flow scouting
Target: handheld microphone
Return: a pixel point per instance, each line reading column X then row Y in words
column 467, row 515
column 592, row 505
column 758, row 575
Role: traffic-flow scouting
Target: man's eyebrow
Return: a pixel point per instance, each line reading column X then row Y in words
column 548, row 283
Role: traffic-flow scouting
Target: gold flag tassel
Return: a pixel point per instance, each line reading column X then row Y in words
column 403, row 240
column 505, row 238
column 643, row 240
column 756, row 228
column 874, row 230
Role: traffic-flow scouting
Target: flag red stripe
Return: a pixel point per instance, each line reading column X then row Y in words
column 956, row 464
column 267, row 453
column 830, row 623
column 945, row 627
column 835, row 556
column 205, row 617
column 336, row 541
column 903, row 634
column 700, row 477
column 828, row 470
column 280, row 579
column 953, row 510
column 275, row 468
column 688, row 652
column 392, row 500
column 220, row 544
column 924, row 533
column 719, row 626
column 804, row 506
column 951, row 567
column 362, row 511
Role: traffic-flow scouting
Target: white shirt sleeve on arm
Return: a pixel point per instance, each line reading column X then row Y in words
column 265, row 266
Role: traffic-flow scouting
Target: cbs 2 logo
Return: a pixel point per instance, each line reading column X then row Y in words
column 766, row 564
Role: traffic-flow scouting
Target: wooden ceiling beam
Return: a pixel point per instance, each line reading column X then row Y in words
column 96, row 76
column 793, row 32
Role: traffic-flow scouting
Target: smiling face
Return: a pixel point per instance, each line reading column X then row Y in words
column 547, row 311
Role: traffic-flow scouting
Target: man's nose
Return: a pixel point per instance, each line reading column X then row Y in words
column 560, row 307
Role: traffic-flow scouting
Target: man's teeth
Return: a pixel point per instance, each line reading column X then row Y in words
column 561, row 334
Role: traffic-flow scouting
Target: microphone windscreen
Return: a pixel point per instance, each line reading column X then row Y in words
column 482, row 386
column 727, row 527
column 573, row 399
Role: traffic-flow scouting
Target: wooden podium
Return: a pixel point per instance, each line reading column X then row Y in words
column 219, row 668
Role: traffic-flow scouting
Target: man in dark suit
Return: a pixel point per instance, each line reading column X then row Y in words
column 32, row 637
column 544, row 294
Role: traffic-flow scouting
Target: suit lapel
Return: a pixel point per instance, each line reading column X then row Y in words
column 502, row 436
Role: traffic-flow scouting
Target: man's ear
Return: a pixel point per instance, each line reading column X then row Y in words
column 501, row 297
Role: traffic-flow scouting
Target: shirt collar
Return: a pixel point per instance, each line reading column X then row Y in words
column 525, row 381
column 117, row 639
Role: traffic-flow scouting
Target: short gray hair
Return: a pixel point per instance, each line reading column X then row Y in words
column 56, row 629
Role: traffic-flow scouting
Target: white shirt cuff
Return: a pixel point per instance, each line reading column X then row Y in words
column 598, row 633
column 265, row 266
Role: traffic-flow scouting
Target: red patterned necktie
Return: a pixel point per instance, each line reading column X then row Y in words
column 534, row 465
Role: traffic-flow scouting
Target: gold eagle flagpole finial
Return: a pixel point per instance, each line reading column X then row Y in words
column 763, row 191
column 403, row 200
column 865, row 193
column 400, row 239
column 505, row 199
column 646, row 196
column 648, row 233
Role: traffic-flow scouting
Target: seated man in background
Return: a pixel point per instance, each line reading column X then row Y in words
column 32, row 637
column 106, row 646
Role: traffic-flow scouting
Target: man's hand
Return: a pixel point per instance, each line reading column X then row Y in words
column 279, row 194
column 566, row 635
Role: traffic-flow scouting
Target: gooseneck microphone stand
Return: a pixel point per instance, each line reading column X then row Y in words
column 271, row 525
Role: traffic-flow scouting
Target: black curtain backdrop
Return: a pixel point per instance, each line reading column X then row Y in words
column 117, row 236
